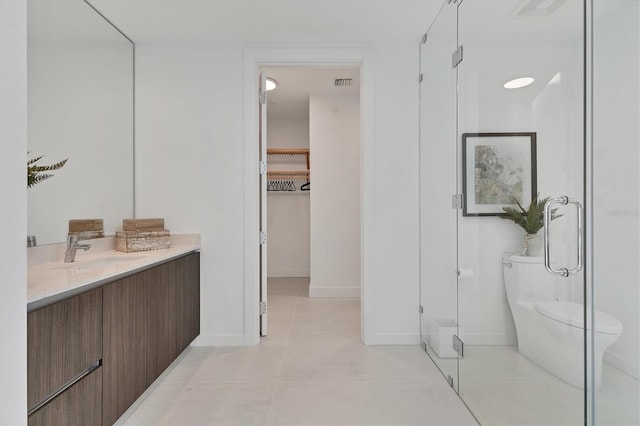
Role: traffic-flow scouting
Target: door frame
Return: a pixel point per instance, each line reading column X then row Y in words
column 305, row 57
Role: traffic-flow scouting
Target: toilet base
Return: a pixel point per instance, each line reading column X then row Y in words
column 557, row 347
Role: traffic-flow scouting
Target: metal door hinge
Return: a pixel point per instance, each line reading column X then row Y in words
column 424, row 346
column 263, row 237
column 263, row 308
column 458, row 346
column 450, row 380
column 420, row 78
column 456, row 57
column 262, row 167
column 424, row 38
column 421, row 309
column 456, row 201
column 262, row 96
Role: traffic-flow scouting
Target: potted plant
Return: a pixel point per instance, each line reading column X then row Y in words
column 35, row 173
column 531, row 220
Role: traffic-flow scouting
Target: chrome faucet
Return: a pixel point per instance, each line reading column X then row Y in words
column 72, row 246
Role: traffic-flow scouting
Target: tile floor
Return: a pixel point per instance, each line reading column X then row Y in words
column 310, row 370
column 502, row 387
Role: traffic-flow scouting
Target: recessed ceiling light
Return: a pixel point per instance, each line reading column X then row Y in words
column 518, row 83
column 271, row 84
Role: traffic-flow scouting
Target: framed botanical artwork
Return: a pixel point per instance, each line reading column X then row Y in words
column 495, row 168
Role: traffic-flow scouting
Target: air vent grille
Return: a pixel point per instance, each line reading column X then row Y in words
column 343, row 82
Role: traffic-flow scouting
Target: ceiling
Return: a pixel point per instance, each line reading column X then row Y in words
column 290, row 100
column 251, row 23
column 82, row 25
column 271, row 21
column 517, row 21
column 260, row 22
column 282, row 22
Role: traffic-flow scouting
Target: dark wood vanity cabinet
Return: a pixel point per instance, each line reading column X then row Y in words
column 188, row 300
column 64, row 341
column 160, row 287
column 79, row 405
column 135, row 326
column 124, row 345
column 146, row 327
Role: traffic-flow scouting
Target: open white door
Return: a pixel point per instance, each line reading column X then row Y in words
column 262, row 99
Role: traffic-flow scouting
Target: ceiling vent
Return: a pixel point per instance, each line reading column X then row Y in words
column 343, row 82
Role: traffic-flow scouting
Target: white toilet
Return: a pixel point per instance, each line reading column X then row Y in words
column 550, row 328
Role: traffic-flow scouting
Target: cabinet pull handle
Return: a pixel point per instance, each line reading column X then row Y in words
column 64, row 387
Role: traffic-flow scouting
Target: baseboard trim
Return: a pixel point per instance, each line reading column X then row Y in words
column 489, row 339
column 334, row 291
column 219, row 340
column 395, row 339
column 626, row 366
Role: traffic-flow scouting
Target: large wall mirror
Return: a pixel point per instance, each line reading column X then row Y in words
column 80, row 107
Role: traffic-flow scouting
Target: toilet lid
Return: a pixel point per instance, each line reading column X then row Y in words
column 573, row 314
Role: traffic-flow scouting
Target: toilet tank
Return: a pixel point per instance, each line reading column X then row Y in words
column 527, row 280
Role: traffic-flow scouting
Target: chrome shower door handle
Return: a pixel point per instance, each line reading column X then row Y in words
column 564, row 272
column 579, row 242
column 564, row 200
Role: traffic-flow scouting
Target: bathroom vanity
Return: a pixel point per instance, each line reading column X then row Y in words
column 98, row 342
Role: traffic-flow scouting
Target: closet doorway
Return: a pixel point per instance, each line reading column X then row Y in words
column 310, row 200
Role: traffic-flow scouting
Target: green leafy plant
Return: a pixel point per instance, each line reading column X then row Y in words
column 36, row 173
column 532, row 219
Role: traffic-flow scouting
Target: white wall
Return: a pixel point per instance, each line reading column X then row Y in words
column 395, row 243
column 287, row 132
column 189, row 166
column 616, row 175
column 288, row 212
column 13, row 212
column 289, row 235
column 334, row 128
column 189, row 169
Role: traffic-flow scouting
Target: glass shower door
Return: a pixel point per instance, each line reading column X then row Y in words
column 615, row 203
column 438, row 287
column 520, row 134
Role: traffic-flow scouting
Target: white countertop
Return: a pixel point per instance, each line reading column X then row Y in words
column 49, row 281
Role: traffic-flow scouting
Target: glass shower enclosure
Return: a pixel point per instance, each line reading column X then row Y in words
column 532, row 106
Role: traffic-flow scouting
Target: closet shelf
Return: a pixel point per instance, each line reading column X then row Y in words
column 284, row 180
column 289, row 173
column 292, row 152
column 287, row 151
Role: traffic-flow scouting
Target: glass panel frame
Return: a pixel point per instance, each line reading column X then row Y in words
column 438, row 286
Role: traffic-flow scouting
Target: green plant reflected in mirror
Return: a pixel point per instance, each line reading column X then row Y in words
column 36, row 172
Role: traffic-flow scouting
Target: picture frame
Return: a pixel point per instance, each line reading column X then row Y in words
column 496, row 166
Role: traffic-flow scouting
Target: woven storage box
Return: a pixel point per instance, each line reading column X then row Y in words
column 87, row 229
column 146, row 225
column 86, row 225
column 130, row 241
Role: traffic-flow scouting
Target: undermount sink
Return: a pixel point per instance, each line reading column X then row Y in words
column 96, row 264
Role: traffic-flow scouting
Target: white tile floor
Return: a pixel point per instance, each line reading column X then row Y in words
column 310, row 370
column 502, row 387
